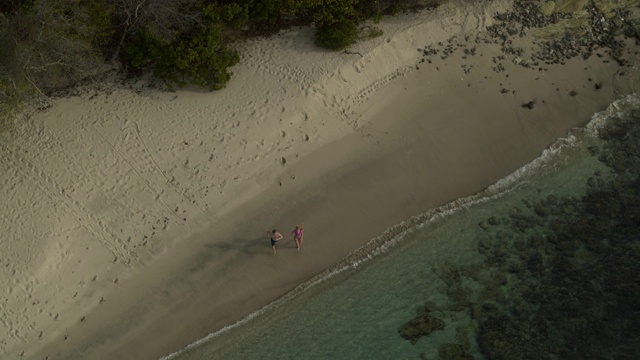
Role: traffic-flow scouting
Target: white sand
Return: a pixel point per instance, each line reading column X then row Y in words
column 134, row 220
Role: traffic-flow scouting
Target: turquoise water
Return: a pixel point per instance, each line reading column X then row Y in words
column 471, row 269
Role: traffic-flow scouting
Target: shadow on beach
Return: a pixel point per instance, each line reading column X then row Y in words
column 224, row 251
column 256, row 245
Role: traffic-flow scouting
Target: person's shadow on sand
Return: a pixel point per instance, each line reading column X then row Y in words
column 258, row 245
column 216, row 251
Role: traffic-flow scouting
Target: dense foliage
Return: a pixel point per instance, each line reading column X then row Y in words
column 47, row 45
column 338, row 34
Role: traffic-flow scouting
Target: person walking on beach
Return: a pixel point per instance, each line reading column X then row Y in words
column 275, row 236
column 298, row 234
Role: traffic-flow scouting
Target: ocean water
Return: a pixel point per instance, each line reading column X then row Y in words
column 542, row 265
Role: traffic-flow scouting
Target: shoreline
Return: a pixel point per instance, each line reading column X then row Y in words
column 393, row 235
column 359, row 178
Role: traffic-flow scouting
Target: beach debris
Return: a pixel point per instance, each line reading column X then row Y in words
column 283, row 160
column 471, row 51
column 573, row 93
column 529, row 105
column 348, row 52
column 558, row 46
column 597, row 86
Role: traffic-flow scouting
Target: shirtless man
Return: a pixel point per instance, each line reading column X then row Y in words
column 275, row 236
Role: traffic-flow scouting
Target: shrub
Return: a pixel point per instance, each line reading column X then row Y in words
column 337, row 35
column 200, row 60
column 267, row 11
column 143, row 50
column 197, row 57
column 233, row 15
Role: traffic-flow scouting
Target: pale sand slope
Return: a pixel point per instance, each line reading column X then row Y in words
column 134, row 220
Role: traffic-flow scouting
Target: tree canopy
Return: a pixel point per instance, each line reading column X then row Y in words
column 47, row 45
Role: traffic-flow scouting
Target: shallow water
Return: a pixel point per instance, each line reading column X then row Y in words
column 442, row 265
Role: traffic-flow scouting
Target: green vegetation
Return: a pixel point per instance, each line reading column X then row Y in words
column 46, row 45
column 50, row 45
column 337, row 34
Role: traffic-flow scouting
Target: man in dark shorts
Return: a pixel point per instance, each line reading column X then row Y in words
column 275, row 236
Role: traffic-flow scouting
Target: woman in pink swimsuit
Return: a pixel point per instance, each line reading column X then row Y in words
column 298, row 235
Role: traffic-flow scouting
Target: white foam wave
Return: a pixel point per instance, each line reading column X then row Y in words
column 395, row 234
column 619, row 108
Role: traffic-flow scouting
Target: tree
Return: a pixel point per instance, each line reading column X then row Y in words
column 266, row 11
column 322, row 12
column 12, row 6
column 200, row 60
column 48, row 46
column 198, row 56
column 165, row 20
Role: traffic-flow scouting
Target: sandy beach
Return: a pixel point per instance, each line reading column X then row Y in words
column 135, row 220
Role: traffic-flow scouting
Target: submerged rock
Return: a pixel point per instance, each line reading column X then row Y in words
column 560, row 275
column 420, row 326
column 453, row 352
column 427, row 308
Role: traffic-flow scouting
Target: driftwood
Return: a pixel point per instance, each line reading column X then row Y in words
column 353, row 53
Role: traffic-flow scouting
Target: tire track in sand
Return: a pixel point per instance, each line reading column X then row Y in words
column 58, row 195
column 146, row 168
